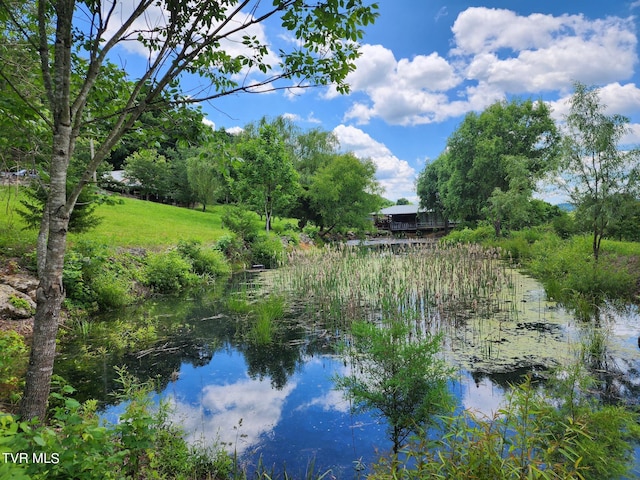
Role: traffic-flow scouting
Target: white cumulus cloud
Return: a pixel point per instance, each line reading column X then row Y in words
column 495, row 53
column 396, row 176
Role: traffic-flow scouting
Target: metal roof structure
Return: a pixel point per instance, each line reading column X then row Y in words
column 401, row 210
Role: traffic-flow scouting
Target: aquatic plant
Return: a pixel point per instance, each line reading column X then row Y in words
column 343, row 284
column 266, row 312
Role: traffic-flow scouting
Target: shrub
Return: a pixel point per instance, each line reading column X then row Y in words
column 91, row 278
column 267, row 250
column 168, row 272
column 564, row 225
column 467, row 235
column 241, row 222
column 233, row 248
column 204, row 261
column 13, row 363
column 561, row 436
column 144, row 444
column 111, row 291
column 572, row 264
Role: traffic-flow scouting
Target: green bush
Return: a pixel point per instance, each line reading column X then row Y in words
column 234, row 249
column 267, row 250
column 93, row 279
column 204, row 261
column 467, row 235
column 571, row 264
column 13, row 363
column 168, row 272
column 143, row 444
column 111, row 291
column 564, row 225
column 564, row 435
column 241, row 222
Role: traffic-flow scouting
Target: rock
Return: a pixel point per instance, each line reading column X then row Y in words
column 23, row 283
column 15, row 304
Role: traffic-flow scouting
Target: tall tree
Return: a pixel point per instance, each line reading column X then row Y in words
column 511, row 207
column 595, row 171
column 75, row 36
column 344, row 193
column 150, row 171
column 268, row 180
column 431, row 187
column 479, row 153
column 204, row 177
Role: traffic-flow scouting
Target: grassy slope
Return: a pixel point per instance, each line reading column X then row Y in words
column 132, row 223
column 136, row 223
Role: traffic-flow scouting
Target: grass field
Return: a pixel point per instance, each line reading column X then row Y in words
column 128, row 223
column 137, row 223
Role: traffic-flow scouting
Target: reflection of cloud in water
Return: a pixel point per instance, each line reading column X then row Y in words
column 222, row 407
column 334, row 400
column 481, row 397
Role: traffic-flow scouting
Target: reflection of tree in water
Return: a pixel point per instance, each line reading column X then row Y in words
column 616, row 377
column 515, row 376
column 288, row 351
column 276, row 361
column 206, row 330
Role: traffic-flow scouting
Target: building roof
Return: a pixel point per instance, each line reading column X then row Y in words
column 401, row 210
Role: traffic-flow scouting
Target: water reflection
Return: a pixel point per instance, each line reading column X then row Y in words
column 277, row 400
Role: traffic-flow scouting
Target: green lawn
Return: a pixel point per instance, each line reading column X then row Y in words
column 137, row 223
column 132, row 223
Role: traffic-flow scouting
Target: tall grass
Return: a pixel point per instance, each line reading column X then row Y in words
column 342, row 284
column 267, row 313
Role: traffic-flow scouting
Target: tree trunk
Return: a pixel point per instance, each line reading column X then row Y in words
column 50, row 292
column 497, row 226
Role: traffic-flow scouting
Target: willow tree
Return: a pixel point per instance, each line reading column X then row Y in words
column 595, row 172
column 220, row 41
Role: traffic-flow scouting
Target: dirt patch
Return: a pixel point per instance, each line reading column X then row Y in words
column 22, row 327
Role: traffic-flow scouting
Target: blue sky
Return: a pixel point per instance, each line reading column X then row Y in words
column 424, row 65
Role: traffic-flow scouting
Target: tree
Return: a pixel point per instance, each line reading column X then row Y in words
column 479, row 154
column 510, row 207
column 150, row 172
column 403, row 201
column 312, row 150
column 344, row 193
column 594, row 170
column 397, row 374
column 168, row 127
column 204, row 178
column 269, row 182
column 73, row 40
column 431, row 187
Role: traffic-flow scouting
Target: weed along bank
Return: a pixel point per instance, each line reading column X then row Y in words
column 294, row 370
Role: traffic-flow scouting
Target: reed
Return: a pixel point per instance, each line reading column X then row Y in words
column 436, row 286
column 267, row 313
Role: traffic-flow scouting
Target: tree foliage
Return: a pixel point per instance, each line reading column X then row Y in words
column 595, row 172
column 344, row 193
column 480, row 158
column 269, row 181
column 72, row 41
column 149, row 171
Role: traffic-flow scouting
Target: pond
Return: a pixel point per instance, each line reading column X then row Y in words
column 274, row 401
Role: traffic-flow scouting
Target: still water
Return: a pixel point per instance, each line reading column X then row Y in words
column 276, row 402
